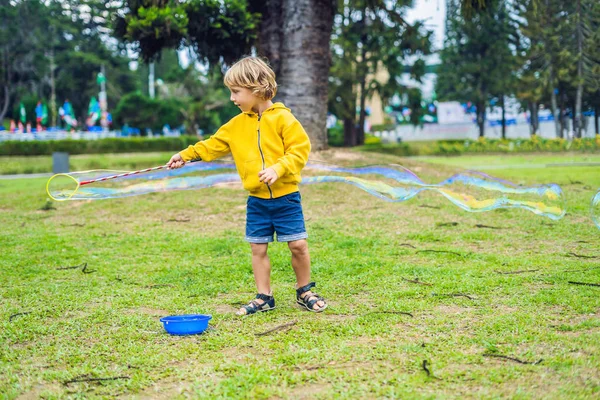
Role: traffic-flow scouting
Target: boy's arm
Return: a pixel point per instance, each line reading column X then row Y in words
column 296, row 149
column 207, row 150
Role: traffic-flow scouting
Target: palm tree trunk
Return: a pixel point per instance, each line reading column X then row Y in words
column 270, row 34
column 305, row 62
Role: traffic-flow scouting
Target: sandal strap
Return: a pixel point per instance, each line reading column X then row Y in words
column 264, row 297
column 306, row 288
column 312, row 300
column 252, row 307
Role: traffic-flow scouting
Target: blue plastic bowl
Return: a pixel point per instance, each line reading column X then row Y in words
column 190, row 324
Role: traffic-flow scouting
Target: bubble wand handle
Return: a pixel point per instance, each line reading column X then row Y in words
column 106, row 178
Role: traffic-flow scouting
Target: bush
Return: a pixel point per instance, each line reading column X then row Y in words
column 370, row 139
column 383, row 127
column 457, row 147
column 335, row 135
column 109, row 145
column 142, row 112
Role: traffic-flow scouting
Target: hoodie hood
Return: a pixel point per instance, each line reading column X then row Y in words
column 275, row 106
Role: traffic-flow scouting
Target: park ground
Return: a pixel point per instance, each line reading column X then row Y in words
column 426, row 300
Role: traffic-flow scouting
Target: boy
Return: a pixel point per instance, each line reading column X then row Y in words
column 270, row 148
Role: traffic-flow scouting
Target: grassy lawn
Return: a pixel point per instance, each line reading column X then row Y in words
column 516, row 161
column 496, row 284
column 82, row 162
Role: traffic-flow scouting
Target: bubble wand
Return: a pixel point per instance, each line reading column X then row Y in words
column 102, row 179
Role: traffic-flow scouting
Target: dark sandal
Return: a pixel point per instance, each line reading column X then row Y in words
column 309, row 300
column 254, row 306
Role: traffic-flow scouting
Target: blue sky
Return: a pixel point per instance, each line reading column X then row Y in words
column 434, row 14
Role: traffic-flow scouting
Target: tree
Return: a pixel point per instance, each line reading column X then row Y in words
column 370, row 36
column 295, row 35
column 477, row 56
column 222, row 31
column 591, row 59
column 54, row 49
column 21, row 50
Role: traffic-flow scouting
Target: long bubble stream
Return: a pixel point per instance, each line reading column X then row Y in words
column 471, row 190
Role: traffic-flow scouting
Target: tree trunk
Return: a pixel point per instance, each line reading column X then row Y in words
column 596, row 117
column 270, row 36
column 536, row 118
column 52, row 89
column 562, row 114
column 577, row 115
column 360, row 134
column 503, row 116
column 305, row 62
column 554, row 106
column 350, row 138
column 534, row 121
column 5, row 103
column 481, row 118
column 362, row 69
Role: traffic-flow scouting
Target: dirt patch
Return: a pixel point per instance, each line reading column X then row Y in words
column 447, row 309
column 308, row 391
column 245, row 354
column 38, row 391
column 337, row 317
column 332, row 156
column 147, row 311
column 166, row 389
column 224, row 309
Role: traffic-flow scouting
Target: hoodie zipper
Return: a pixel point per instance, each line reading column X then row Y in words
column 262, row 156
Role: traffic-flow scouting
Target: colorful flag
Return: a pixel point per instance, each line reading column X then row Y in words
column 22, row 113
column 93, row 112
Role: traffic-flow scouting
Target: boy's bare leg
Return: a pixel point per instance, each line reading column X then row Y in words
column 261, row 267
column 301, row 265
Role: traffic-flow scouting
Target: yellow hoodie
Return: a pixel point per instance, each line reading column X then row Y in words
column 275, row 139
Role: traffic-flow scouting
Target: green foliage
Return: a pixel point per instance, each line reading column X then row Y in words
column 108, row 145
column 208, row 105
column 221, row 30
column 29, row 102
column 383, row 127
column 458, row 147
column 478, row 61
column 152, row 26
column 368, row 37
column 335, row 135
column 371, row 140
column 137, row 110
column 35, row 35
column 216, row 30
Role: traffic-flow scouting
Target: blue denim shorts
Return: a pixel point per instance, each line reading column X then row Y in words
column 282, row 215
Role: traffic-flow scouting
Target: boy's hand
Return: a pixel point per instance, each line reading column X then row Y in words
column 268, row 176
column 175, row 162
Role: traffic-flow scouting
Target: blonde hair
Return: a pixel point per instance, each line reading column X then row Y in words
column 255, row 74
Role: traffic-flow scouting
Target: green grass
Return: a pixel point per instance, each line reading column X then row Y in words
column 81, row 162
column 516, row 161
column 146, row 265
